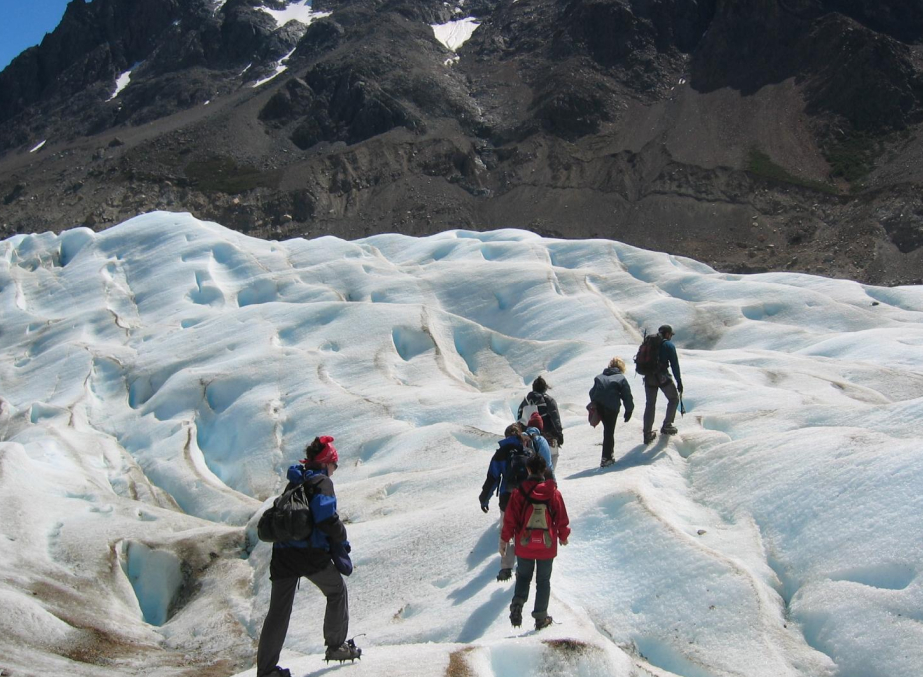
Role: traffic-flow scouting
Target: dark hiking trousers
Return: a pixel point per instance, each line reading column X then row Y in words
column 542, row 569
column 650, row 404
column 609, row 419
column 275, row 627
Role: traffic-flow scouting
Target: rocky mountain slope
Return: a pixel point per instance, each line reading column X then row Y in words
column 758, row 135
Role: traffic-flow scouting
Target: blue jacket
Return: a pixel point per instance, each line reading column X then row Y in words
column 540, row 444
column 305, row 558
column 497, row 472
column 323, row 503
column 668, row 357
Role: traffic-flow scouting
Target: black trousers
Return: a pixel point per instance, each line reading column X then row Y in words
column 275, row 627
column 609, row 419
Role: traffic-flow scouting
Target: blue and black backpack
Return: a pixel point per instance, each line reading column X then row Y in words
column 516, row 466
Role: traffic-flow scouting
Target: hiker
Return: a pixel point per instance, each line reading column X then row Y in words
column 539, row 400
column 533, row 437
column 660, row 380
column 313, row 559
column 536, row 520
column 500, row 478
column 610, row 390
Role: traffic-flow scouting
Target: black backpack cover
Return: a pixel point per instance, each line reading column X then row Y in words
column 288, row 518
column 517, row 471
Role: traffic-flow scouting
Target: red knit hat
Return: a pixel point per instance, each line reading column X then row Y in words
column 535, row 421
column 327, row 454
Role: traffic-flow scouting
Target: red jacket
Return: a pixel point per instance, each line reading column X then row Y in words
column 540, row 541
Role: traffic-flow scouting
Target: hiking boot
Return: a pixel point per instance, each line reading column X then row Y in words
column 649, row 437
column 347, row 651
column 279, row 672
column 544, row 622
column 515, row 613
column 505, row 575
column 606, row 462
column 668, row 430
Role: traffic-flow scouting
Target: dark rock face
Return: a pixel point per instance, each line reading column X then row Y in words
column 347, row 107
column 93, row 41
column 750, row 134
column 615, row 31
column 857, row 58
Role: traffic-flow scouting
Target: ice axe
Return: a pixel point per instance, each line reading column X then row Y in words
column 682, row 407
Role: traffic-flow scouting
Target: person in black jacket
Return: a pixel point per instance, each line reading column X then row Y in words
column 661, row 381
column 313, row 559
column 551, row 418
column 610, row 390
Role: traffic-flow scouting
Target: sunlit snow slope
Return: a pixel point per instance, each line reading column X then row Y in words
column 157, row 378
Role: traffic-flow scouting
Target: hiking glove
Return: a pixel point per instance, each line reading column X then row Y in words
column 503, row 546
column 627, row 416
column 679, row 387
column 484, row 507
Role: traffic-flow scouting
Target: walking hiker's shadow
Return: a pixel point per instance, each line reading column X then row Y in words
column 471, row 588
column 483, row 616
column 640, row 455
column 485, row 548
column 327, row 668
column 486, row 545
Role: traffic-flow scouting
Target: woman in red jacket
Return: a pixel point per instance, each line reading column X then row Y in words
column 537, row 519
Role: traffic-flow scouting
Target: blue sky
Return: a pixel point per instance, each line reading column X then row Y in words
column 25, row 23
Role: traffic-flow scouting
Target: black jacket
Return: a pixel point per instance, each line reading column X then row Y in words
column 548, row 410
column 610, row 389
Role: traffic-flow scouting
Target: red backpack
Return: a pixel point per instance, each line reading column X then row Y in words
column 647, row 361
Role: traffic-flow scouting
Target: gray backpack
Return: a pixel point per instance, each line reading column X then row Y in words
column 288, row 518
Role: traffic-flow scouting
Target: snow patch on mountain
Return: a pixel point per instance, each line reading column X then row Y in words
column 122, row 81
column 453, row 34
column 278, row 69
column 300, row 10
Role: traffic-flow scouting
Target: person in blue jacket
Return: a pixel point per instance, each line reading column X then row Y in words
column 320, row 559
column 533, row 434
column 498, row 481
column 610, row 390
column 661, row 381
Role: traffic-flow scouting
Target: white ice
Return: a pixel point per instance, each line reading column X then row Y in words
column 158, row 377
column 280, row 68
column 454, row 34
column 122, row 82
column 295, row 11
